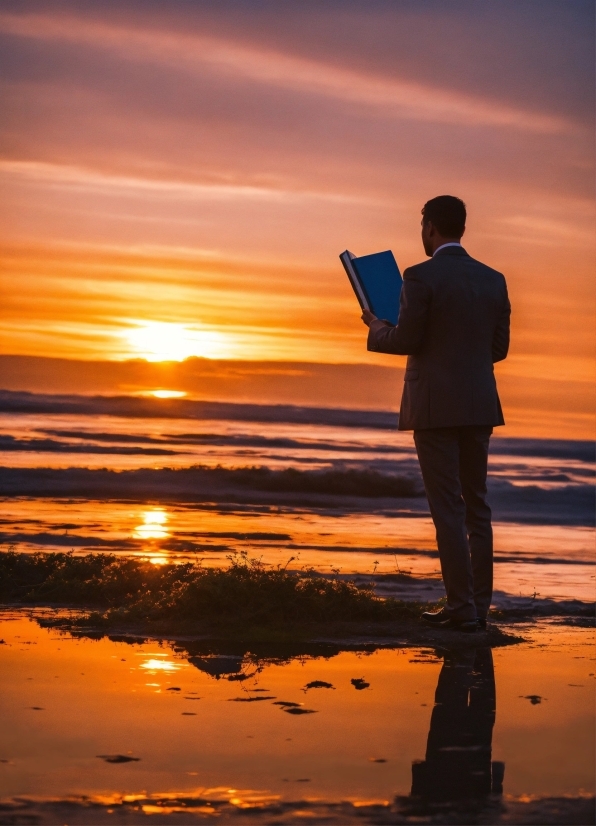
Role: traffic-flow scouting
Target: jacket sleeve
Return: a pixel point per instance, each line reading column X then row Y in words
column 501, row 335
column 407, row 336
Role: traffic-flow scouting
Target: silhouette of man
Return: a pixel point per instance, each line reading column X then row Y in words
column 453, row 325
column 458, row 753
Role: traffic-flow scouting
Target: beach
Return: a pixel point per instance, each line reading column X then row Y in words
column 191, row 726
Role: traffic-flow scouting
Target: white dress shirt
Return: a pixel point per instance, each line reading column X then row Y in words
column 449, row 244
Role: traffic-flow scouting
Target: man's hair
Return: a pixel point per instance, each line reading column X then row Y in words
column 447, row 213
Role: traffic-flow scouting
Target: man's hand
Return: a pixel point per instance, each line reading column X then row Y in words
column 367, row 317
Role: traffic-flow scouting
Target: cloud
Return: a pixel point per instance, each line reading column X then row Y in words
column 389, row 97
column 91, row 181
column 203, row 164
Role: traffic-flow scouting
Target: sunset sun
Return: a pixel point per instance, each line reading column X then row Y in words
column 167, row 341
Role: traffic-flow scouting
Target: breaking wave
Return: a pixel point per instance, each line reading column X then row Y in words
column 200, row 483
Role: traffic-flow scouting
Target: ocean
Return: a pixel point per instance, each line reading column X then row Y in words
column 331, row 489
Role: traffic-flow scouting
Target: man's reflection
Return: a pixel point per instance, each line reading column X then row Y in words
column 458, row 753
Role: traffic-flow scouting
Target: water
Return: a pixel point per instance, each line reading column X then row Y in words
column 66, row 700
column 107, row 487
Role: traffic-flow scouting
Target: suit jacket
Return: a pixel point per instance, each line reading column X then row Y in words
column 453, row 325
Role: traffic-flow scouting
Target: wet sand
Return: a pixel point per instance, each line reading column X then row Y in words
column 211, row 739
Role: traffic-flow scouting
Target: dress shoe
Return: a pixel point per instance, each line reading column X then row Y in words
column 436, row 617
column 441, row 619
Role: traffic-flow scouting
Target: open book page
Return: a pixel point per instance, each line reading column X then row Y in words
column 346, row 259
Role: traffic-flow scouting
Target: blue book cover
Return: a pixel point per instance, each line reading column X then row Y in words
column 377, row 282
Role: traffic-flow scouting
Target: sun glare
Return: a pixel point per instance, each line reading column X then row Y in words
column 166, row 341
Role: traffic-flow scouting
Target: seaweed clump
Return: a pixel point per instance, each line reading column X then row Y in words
column 247, row 593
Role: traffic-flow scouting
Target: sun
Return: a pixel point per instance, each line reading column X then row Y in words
column 168, row 341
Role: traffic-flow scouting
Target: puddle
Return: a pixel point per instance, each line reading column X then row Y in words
column 385, row 721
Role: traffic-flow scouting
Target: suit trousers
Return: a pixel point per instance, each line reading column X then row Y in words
column 454, row 461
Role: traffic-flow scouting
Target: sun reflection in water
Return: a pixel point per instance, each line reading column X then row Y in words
column 157, row 559
column 161, row 665
column 153, row 525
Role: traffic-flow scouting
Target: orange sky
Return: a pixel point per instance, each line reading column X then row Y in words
column 178, row 179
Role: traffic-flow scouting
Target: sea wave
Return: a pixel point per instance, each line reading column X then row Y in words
column 200, row 483
column 12, row 444
column 143, row 407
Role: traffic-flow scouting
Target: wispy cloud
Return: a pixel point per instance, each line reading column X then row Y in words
column 389, row 97
column 89, row 180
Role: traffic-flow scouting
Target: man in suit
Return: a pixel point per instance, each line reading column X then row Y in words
column 453, row 325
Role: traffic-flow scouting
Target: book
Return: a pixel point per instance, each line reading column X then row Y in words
column 377, row 282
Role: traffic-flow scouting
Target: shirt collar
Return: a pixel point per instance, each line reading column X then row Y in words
column 449, row 244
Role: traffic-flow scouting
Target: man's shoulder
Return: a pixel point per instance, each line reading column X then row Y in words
column 425, row 272
column 419, row 270
column 448, row 263
column 485, row 267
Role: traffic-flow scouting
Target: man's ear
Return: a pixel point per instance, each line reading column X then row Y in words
column 462, row 235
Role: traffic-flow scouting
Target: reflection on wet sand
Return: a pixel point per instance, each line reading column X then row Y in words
column 153, row 528
column 458, row 753
column 115, row 697
column 458, row 764
column 153, row 525
column 220, row 665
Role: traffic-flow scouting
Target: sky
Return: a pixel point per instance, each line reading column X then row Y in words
column 179, row 177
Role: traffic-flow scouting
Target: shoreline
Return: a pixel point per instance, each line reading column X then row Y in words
column 80, row 810
column 100, row 595
column 338, row 635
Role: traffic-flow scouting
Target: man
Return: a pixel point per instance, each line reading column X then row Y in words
column 453, row 325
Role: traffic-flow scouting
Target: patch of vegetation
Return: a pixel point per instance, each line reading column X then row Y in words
column 245, row 594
